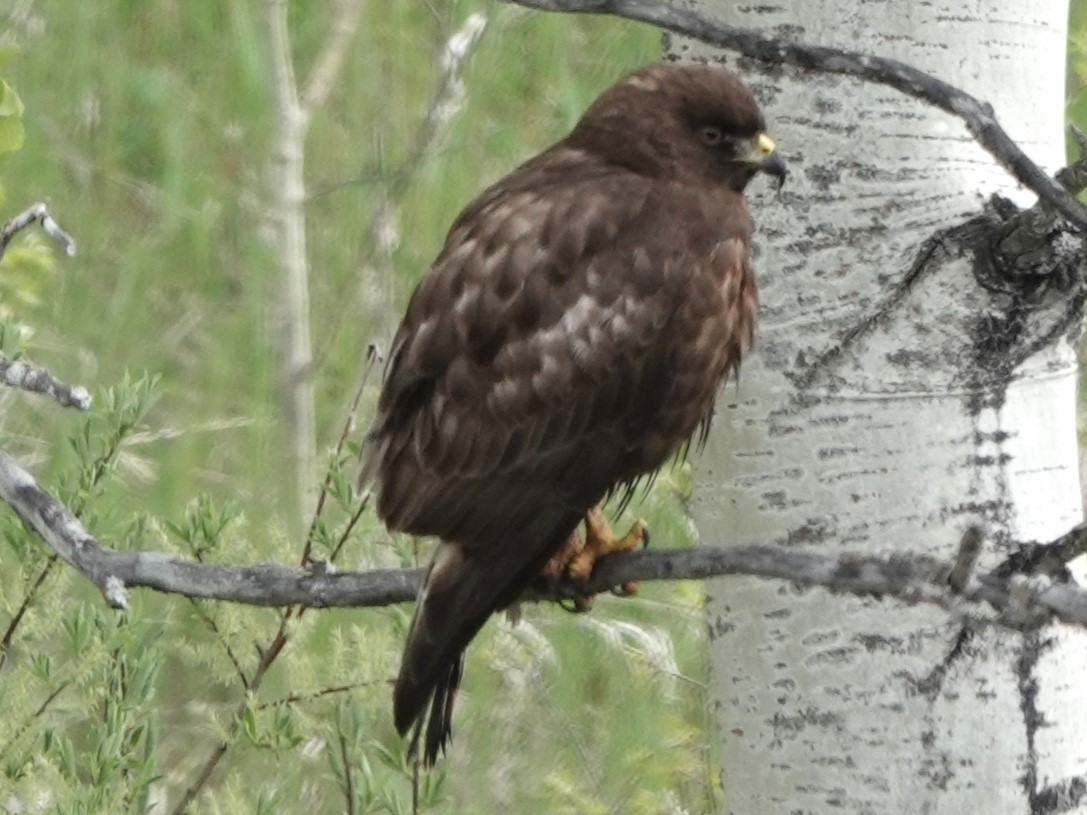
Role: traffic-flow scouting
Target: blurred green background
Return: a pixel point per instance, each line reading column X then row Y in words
column 148, row 129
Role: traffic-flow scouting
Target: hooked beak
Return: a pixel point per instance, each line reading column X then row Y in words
column 764, row 156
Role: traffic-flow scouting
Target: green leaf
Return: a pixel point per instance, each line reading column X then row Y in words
column 41, row 667
column 10, row 103
column 12, row 135
column 249, row 722
column 11, row 337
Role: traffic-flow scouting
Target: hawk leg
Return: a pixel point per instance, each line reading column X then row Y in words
column 576, row 559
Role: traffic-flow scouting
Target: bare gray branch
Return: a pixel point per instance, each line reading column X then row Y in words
column 1017, row 601
column 27, row 376
column 35, row 214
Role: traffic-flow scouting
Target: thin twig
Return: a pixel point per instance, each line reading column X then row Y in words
column 447, row 101
column 295, row 698
column 377, row 248
column 329, row 63
column 202, row 778
column 978, row 116
column 372, row 358
column 24, row 375
column 8, row 636
column 35, row 214
column 271, row 652
column 267, row 657
column 37, row 714
column 214, row 628
column 352, row 522
column 349, row 784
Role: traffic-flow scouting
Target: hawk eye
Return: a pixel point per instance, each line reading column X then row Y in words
column 711, row 135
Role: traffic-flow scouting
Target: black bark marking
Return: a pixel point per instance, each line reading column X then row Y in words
column 932, row 683
column 1027, row 683
column 788, row 727
column 1022, row 279
column 925, row 261
column 1064, row 796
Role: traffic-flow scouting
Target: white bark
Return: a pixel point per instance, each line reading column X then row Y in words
column 872, row 413
column 287, row 191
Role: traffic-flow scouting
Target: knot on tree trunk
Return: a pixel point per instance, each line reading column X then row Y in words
column 1035, row 254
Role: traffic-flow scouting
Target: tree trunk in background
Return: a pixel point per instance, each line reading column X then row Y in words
column 287, row 189
column 876, row 416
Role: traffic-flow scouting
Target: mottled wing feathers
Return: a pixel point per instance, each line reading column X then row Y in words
column 529, row 344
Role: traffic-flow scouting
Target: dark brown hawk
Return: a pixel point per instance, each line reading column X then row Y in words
column 570, row 337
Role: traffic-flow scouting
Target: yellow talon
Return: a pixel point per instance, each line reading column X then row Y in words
column 601, row 541
column 576, row 559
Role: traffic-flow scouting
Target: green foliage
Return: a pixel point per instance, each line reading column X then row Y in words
column 11, row 341
column 12, row 133
column 81, row 681
column 27, row 266
column 97, row 444
column 25, row 273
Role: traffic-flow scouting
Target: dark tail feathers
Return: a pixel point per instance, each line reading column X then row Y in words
column 459, row 593
column 455, row 600
column 439, row 723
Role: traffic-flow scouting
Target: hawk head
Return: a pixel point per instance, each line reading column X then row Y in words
column 690, row 124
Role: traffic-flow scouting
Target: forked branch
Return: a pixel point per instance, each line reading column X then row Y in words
column 35, row 214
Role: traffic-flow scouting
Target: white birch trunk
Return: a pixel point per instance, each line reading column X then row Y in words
column 875, row 416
